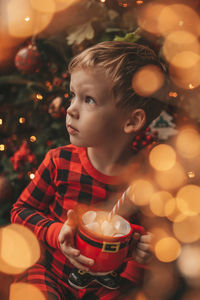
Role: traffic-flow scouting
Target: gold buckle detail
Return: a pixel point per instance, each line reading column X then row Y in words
column 110, row 247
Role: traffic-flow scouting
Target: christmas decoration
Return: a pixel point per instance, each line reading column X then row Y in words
column 164, row 126
column 28, row 60
column 22, row 156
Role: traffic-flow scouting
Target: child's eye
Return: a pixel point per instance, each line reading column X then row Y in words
column 71, row 95
column 90, row 100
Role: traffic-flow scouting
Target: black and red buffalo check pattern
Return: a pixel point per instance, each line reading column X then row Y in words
column 65, row 180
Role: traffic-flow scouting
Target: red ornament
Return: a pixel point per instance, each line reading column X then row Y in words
column 28, row 60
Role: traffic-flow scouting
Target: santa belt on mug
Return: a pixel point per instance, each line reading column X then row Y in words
column 105, row 246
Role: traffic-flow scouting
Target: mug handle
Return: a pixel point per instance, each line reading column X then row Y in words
column 133, row 242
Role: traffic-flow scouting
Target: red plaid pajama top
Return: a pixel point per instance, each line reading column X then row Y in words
column 65, row 180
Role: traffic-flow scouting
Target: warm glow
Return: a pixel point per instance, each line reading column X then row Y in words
column 39, row 97
column 173, row 94
column 188, row 200
column 31, row 175
column 1, row 121
column 178, row 17
column 171, row 179
column 25, row 291
column 147, row 80
column 148, row 17
column 189, row 263
column 167, row 249
column 2, row 147
column 33, row 138
column 22, row 120
column 184, row 69
column 19, row 249
column 141, row 191
column 179, row 41
column 140, row 296
column 162, row 157
column 158, row 201
column 26, row 21
column 172, row 211
column 188, row 143
column 187, row 231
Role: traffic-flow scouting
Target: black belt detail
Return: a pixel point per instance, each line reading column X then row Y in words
column 98, row 244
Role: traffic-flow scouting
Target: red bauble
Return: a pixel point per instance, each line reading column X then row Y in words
column 28, row 60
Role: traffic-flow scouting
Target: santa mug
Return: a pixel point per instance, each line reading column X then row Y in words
column 110, row 243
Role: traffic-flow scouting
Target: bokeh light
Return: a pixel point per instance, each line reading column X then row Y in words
column 158, row 233
column 158, row 201
column 19, row 249
column 189, row 262
column 167, row 249
column 141, row 191
column 188, row 142
column 18, row 25
column 51, row 6
column 44, row 6
column 188, row 199
column 172, row 211
column 179, row 41
column 153, row 78
column 172, row 178
column 184, row 69
column 24, row 291
column 148, row 16
column 162, row 157
column 178, row 17
column 140, row 296
column 187, row 231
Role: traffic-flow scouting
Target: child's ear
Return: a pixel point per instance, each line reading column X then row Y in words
column 136, row 121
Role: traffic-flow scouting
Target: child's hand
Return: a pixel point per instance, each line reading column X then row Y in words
column 143, row 247
column 66, row 241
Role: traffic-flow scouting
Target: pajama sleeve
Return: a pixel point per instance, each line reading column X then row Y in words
column 30, row 208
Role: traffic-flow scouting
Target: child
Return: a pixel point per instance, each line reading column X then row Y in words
column 103, row 119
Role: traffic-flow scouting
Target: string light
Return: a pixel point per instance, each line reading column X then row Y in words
column 66, row 95
column 31, row 175
column 191, row 174
column 27, row 19
column 1, row 121
column 139, row 2
column 102, row 1
column 22, row 120
column 191, row 86
column 173, row 94
column 2, row 147
column 123, row 3
column 38, row 97
column 33, row 138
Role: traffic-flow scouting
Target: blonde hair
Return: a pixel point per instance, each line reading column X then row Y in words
column 120, row 61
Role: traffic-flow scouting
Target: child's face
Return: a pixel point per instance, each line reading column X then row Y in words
column 92, row 118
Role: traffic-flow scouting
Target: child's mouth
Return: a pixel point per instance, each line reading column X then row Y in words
column 71, row 130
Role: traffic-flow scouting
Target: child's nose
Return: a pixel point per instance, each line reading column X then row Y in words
column 73, row 110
